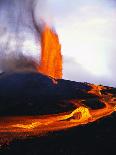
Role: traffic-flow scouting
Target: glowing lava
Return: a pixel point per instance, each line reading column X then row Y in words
column 51, row 58
column 51, row 65
column 23, row 127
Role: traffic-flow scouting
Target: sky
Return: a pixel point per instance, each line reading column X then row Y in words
column 86, row 30
column 87, row 34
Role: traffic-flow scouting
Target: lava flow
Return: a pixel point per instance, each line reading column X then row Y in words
column 51, row 58
column 23, row 127
column 51, row 65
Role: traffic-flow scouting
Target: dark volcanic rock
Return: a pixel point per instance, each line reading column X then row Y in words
column 109, row 90
column 96, row 138
column 33, row 93
column 94, row 103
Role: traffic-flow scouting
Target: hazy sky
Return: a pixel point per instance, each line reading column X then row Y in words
column 88, row 37
column 86, row 30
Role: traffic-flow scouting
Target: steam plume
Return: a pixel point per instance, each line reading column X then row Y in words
column 20, row 27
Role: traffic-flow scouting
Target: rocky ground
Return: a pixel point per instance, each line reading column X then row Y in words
column 35, row 94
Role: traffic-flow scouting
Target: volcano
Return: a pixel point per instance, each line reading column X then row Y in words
column 35, row 106
column 39, row 105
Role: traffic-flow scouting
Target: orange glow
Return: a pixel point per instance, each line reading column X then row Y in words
column 51, row 58
column 23, row 127
column 51, row 65
column 96, row 89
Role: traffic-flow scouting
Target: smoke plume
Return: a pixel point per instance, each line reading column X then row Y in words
column 20, row 26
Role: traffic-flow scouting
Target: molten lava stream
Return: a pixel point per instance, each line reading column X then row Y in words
column 51, row 65
column 22, row 127
column 51, row 58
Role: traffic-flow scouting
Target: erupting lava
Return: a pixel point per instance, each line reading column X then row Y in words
column 22, row 127
column 51, row 58
column 51, row 65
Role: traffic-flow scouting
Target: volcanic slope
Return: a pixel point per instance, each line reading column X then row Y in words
column 35, row 94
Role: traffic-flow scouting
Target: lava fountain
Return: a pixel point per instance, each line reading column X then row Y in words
column 51, row 65
column 51, row 58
